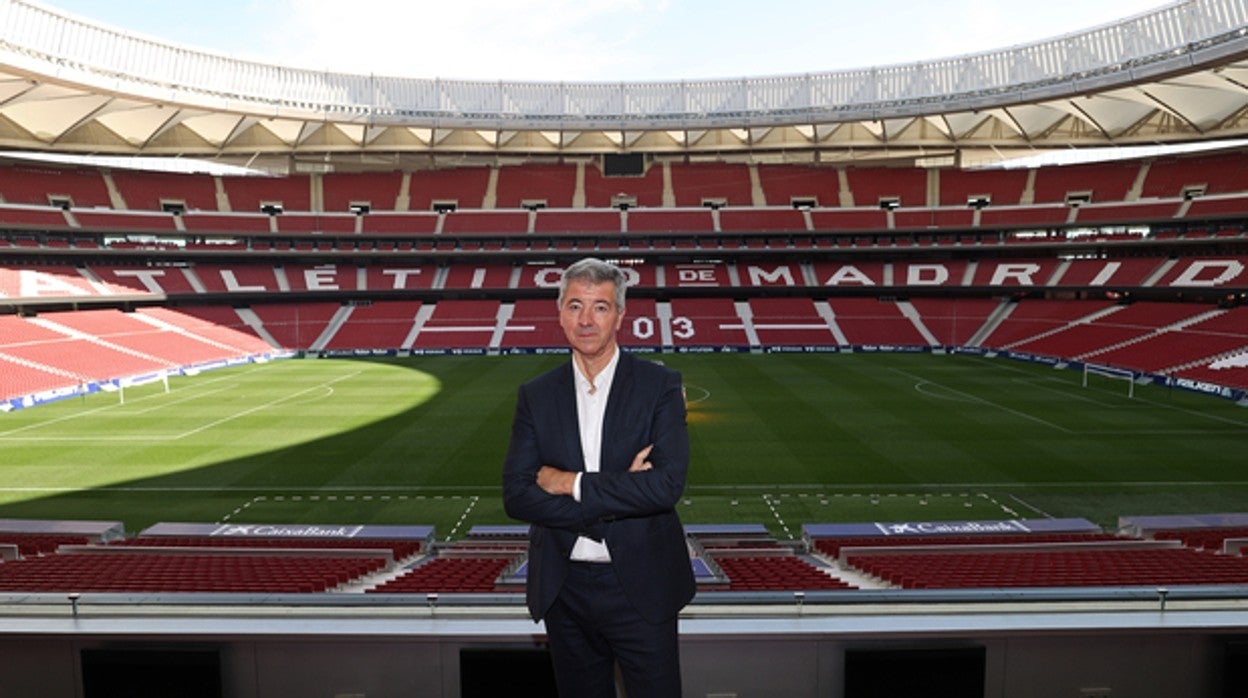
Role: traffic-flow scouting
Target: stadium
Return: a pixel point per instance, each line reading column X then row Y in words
column 961, row 424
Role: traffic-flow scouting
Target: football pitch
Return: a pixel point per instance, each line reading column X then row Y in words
column 777, row 439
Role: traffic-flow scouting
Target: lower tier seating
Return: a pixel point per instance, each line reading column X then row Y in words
column 152, row 572
column 1053, row 568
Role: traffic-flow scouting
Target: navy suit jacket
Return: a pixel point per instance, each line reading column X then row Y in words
column 633, row 513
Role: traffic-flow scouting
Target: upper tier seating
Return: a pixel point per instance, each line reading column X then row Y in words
column 251, row 194
column 784, row 184
column 603, row 192
column 552, row 185
column 1219, row 173
column 32, row 184
column 1000, row 187
column 465, row 187
column 148, row 191
column 870, row 186
column 377, row 190
column 721, row 183
column 1110, row 181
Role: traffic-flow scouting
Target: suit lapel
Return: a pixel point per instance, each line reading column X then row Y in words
column 566, row 402
column 619, row 397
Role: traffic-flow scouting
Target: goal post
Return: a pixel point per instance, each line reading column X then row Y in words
column 134, row 381
column 1093, row 372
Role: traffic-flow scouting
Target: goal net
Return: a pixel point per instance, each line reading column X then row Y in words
column 1097, row 375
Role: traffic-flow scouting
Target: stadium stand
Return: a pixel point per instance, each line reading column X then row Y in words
column 459, row 323
column 460, row 188
column 533, row 323
column 732, row 220
column 707, row 322
column 739, row 233
column 954, row 322
column 374, row 190
column 116, row 568
column 247, row 194
column 875, row 322
column 452, row 575
column 547, row 186
column 1053, row 568
column 649, row 190
column 872, row 187
column 376, row 325
column 1150, row 551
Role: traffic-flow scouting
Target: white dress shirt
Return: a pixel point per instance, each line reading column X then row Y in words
column 591, row 407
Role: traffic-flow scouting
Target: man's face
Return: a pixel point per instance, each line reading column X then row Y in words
column 589, row 317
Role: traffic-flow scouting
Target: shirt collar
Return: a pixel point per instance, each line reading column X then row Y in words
column 604, row 376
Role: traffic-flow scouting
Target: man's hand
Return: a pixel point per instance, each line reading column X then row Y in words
column 639, row 461
column 560, row 482
column 555, row 481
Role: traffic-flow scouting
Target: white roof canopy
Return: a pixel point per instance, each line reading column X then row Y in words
column 1176, row 74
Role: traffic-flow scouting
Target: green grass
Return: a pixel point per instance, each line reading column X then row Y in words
column 780, row 439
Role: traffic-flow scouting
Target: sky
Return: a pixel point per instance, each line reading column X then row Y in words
column 598, row 40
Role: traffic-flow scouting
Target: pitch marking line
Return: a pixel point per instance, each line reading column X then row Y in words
column 774, row 502
column 771, row 502
column 266, row 405
column 472, row 503
column 242, row 508
column 327, row 385
column 919, row 380
column 705, row 394
column 1070, row 391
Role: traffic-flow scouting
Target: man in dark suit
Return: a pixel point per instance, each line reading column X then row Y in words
column 597, row 462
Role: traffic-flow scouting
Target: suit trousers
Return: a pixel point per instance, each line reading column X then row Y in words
column 592, row 627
